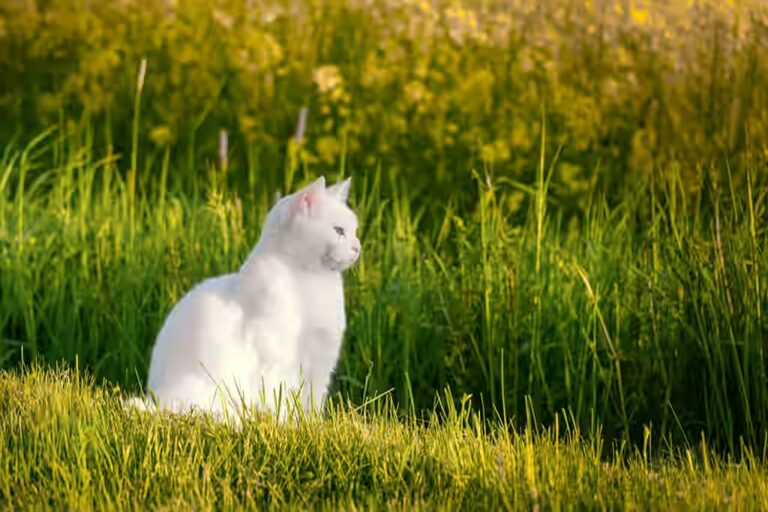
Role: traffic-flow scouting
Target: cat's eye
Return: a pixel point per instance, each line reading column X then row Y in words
column 339, row 230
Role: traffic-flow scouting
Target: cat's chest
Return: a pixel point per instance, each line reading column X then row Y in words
column 322, row 299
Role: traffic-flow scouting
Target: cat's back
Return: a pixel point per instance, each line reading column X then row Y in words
column 207, row 301
column 220, row 308
column 207, row 307
column 203, row 318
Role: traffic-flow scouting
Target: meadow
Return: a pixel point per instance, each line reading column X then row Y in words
column 71, row 446
column 564, row 228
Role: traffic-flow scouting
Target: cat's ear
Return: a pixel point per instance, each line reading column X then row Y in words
column 308, row 198
column 340, row 190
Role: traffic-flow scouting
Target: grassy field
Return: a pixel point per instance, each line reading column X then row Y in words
column 69, row 444
column 563, row 214
column 650, row 312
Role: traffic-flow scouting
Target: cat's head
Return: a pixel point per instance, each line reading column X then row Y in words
column 315, row 228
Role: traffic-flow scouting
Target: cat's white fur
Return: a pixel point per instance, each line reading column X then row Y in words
column 271, row 330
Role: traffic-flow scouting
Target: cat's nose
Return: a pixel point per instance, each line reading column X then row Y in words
column 356, row 248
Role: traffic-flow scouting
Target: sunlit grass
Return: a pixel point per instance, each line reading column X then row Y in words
column 69, row 444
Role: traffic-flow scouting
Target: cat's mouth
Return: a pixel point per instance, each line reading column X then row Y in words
column 332, row 263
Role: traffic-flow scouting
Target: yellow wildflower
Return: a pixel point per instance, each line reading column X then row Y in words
column 327, row 78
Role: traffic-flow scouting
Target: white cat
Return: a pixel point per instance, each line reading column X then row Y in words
column 272, row 331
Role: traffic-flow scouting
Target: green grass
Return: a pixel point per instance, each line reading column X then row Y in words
column 69, row 444
column 649, row 311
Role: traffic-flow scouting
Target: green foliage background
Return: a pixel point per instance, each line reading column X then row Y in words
column 418, row 86
column 563, row 200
